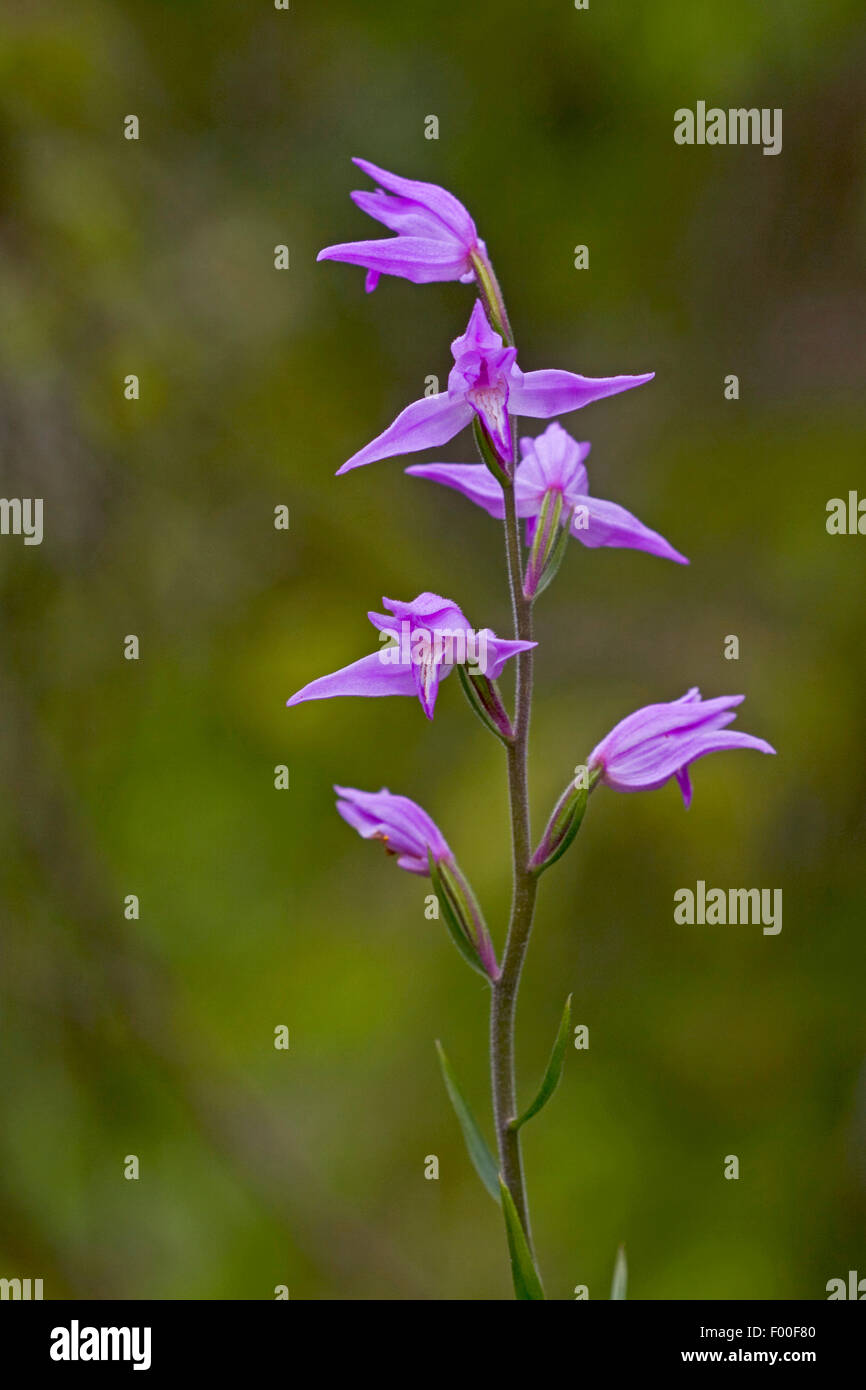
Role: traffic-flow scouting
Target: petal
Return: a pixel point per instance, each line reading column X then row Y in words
column 371, row 676
column 438, row 200
column 554, row 392
column 406, row 824
column 723, row 740
column 420, row 259
column 528, row 497
column 481, row 342
column 414, row 865
column 666, row 719
column 354, row 808
column 432, row 420
column 385, row 622
column 493, row 652
column 427, row 675
column 474, row 480
column 648, row 768
column 685, row 785
column 554, row 459
column 491, row 406
column 610, row 524
column 402, row 215
column 428, row 609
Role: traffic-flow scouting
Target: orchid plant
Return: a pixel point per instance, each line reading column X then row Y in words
column 544, row 484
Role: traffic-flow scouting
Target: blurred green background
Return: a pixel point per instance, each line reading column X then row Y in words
column 259, row 907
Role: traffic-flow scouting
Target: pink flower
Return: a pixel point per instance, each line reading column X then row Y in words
column 660, row 741
column 436, row 237
column 486, row 382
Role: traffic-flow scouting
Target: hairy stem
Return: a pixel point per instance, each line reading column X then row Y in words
column 525, row 883
column 504, row 992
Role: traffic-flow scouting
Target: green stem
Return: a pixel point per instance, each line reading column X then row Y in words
column 524, row 883
column 524, row 889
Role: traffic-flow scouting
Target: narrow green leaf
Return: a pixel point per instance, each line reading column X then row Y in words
column 476, row 1144
column 523, row 1272
column 550, row 1081
column 620, row 1275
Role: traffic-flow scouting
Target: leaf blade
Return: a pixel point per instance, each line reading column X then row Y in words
column 527, row 1284
column 550, row 1080
column 476, row 1145
column 619, row 1284
column 476, row 706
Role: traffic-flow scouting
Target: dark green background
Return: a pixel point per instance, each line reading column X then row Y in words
column 260, row 907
